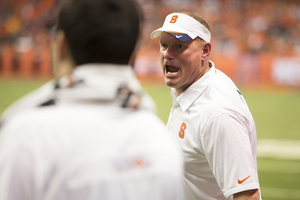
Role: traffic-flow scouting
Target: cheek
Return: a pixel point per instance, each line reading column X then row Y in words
column 191, row 63
column 193, row 58
column 161, row 58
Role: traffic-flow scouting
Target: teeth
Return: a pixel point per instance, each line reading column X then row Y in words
column 171, row 70
column 171, row 73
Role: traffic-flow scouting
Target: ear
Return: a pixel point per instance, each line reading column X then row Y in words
column 62, row 45
column 62, row 61
column 206, row 49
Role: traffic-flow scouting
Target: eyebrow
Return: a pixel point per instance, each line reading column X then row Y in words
column 172, row 41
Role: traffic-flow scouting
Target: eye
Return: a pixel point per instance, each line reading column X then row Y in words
column 163, row 46
column 178, row 46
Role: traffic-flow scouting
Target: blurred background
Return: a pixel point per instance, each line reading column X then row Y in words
column 255, row 42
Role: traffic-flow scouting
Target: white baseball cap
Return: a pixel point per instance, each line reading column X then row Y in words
column 183, row 27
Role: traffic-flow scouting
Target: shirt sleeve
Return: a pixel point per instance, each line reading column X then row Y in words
column 231, row 158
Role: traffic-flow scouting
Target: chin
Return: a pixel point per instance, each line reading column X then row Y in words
column 169, row 82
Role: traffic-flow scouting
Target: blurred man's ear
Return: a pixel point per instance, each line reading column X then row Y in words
column 63, row 62
column 62, row 46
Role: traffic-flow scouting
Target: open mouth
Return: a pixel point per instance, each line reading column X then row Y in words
column 171, row 70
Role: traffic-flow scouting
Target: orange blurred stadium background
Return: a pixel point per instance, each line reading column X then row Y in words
column 255, row 42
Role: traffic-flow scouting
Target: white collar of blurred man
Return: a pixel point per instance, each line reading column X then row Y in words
column 109, row 84
column 105, row 83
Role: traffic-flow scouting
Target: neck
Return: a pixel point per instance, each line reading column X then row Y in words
column 63, row 68
column 206, row 67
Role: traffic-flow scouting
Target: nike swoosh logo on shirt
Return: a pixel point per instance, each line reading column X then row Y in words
column 242, row 181
column 178, row 36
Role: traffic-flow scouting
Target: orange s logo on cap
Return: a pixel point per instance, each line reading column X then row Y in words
column 174, row 19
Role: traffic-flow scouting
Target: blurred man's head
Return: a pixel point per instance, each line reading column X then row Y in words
column 97, row 31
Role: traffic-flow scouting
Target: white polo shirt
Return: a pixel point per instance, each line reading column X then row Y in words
column 86, row 146
column 216, row 131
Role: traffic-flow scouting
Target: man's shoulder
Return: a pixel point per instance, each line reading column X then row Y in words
column 221, row 96
column 29, row 101
column 34, row 116
column 78, row 115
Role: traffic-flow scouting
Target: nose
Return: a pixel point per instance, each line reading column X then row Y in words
column 169, row 53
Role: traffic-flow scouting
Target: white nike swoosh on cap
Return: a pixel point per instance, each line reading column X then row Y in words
column 179, row 36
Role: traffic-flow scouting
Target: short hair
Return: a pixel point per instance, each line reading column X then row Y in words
column 100, row 31
column 197, row 17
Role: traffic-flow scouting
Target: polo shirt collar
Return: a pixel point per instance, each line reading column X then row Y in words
column 186, row 99
column 99, row 82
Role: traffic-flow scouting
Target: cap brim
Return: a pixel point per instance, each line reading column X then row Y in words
column 173, row 30
column 156, row 33
column 181, row 37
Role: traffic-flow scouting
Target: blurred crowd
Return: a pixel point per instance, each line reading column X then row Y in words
column 26, row 21
column 237, row 26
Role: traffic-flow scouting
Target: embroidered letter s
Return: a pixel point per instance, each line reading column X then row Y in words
column 182, row 129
